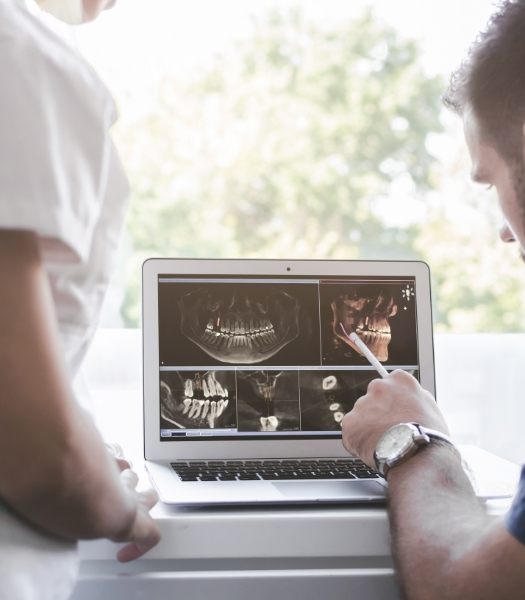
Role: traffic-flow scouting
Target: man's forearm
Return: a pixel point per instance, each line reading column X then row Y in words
column 435, row 520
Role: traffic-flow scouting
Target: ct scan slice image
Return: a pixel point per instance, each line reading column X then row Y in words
column 268, row 400
column 383, row 315
column 326, row 396
column 197, row 399
column 237, row 324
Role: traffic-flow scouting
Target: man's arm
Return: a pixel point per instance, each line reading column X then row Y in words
column 445, row 546
column 54, row 469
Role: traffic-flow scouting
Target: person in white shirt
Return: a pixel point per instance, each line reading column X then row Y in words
column 63, row 196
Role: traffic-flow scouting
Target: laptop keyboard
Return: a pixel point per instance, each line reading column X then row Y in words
column 251, row 470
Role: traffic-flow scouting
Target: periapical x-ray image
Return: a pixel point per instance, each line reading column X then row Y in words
column 268, row 400
column 237, row 324
column 197, row 399
column 383, row 315
column 326, row 396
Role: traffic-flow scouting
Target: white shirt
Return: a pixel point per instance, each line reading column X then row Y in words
column 61, row 178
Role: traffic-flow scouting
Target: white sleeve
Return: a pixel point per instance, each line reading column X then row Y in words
column 54, row 142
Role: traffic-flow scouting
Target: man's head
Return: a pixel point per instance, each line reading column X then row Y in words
column 75, row 12
column 488, row 91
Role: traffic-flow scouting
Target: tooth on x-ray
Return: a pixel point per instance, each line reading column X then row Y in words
column 338, row 417
column 329, row 382
column 269, row 423
column 205, row 409
column 212, row 386
column 213, row 409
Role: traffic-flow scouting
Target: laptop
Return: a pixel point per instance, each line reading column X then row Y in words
column 247, row 376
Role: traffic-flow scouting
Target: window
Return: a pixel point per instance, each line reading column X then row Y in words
column 303, row 129
column 272, row 128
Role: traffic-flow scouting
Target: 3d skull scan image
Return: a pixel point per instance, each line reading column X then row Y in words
column 237, row 326
column 368, row 313
column 197, row 399
column 382, row 315
column 267, row 400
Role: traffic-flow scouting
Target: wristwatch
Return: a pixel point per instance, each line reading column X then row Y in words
column 402, row 441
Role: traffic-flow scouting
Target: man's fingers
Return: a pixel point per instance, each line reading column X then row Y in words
column 129, row 478
column 148, row 498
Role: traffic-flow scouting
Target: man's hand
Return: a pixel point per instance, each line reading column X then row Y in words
column 144, row 533
column 398, row 398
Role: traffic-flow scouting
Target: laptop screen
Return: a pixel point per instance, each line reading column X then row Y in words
column 267, row 357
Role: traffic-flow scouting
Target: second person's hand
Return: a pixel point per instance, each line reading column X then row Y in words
column 143, row 533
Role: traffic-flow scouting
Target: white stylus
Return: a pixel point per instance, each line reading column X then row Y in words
column 367, row 353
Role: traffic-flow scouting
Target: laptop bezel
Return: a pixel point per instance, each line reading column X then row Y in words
column 157, row 450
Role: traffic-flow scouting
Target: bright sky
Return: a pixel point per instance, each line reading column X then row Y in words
column 136, row 41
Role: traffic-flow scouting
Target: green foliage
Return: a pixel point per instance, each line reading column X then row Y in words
column 479, row 282
column 293, row 144
column 282, row 147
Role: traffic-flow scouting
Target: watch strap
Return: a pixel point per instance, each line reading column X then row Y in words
column 421, row 439
column 434, row 434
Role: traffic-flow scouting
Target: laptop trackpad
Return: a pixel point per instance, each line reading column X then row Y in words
column 331, row 490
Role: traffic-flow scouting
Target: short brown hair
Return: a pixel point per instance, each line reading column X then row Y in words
column 491, row 80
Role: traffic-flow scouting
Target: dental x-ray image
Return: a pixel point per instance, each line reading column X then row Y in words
column 326, row 396
column 268, row 400
column 197, row 399
column 382, row 314
column 238, row 324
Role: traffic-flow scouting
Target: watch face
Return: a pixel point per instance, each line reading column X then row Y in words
column 395, row 441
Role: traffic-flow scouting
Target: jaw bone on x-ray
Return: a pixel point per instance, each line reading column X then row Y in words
column 263, row 384
column 196, row 400
column 367, row 312
column 239, row 328
column 268, row 400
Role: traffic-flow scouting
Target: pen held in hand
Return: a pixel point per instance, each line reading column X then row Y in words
column 367, row 353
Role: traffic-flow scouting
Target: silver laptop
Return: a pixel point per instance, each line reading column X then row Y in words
column 247, row 378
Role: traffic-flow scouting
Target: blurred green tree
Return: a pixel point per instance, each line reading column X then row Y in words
column 299, row 142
